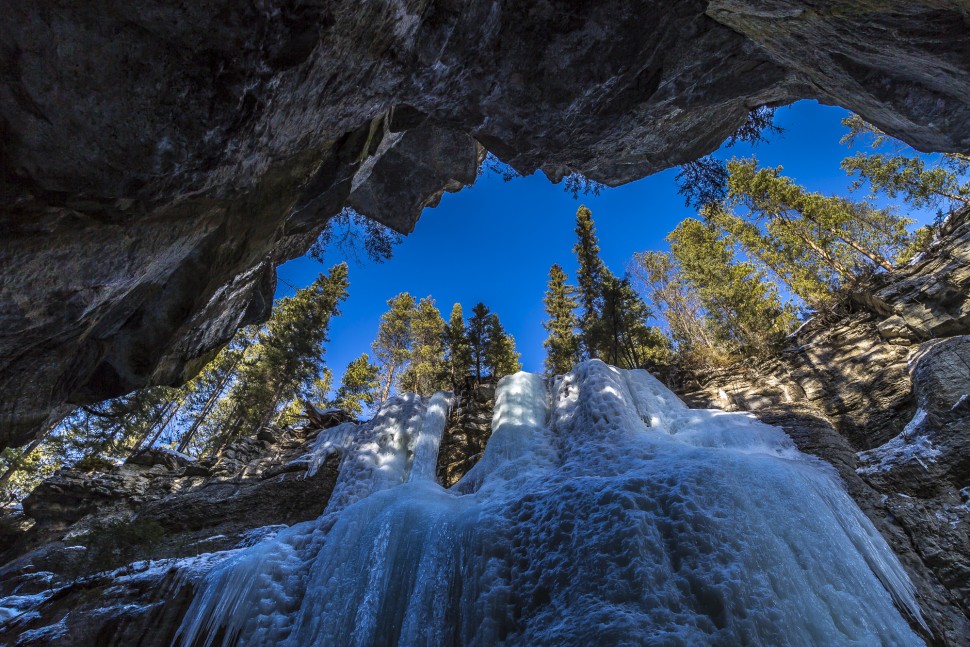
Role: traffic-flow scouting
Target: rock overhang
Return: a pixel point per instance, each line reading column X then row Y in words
column 159, row 161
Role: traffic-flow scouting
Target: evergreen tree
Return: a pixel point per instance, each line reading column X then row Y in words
column 118, row 427
column 500, row 357
column 316, row 393
column 23, row 468
column 392, row 348
column 287, row 356
column 458, row 355
column 589, row 277
column 826, row 236
column 623, row 337
column 478, row 338
column 703, row 181
column 744, row 310
column 562, row 344
column 782, row 250
column 350, row 232
column 917, row 180
column 205, row 390
column 426, row 373
column 358, row 387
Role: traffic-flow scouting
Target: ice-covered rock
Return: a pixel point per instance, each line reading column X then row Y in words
column 604, row 511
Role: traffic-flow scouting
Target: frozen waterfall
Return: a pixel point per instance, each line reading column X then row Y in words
column 603, row 512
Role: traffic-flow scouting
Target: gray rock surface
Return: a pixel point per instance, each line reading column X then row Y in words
column 929, row 297
column 110, row 557
column 159, row 160
column 468, row 430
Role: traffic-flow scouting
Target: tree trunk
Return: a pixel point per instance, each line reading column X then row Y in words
column 151, row 427
column 34, row 444
column 209, row 403
column 168, row 418
column 386, row 393
column 821, row 253
column 872, row 256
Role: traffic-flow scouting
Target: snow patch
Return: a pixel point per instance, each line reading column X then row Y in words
column 14, row 606
column 907, row 447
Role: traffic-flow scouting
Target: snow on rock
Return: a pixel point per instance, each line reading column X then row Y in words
column 908, row 446
column 16, row 606
column 602, row 512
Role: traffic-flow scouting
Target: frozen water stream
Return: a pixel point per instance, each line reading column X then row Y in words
column 603, row 512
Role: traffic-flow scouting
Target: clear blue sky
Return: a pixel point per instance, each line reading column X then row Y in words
column 495, row 241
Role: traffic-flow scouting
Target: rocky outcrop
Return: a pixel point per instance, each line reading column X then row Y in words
column 928, row 298
column 468, row 430
column 109, row 557
column 892, row 416
column 159, row 160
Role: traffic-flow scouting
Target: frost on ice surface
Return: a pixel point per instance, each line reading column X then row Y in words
column 604, row 511
column 907, row 447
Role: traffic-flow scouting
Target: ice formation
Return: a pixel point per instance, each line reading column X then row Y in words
column 603, row 512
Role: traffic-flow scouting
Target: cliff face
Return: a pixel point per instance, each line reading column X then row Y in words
column 159, row 160
column 884, row 395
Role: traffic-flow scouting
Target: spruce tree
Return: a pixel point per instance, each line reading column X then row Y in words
column 458, row 355
column 205, row 390
column 392, row 347
column 838, row 233
column 562, row 344
column 426, row 372
column 590, row 279
column 287, row 355
column 623, row 337
column 500, row 357
column 358, row 387
column 478, row 338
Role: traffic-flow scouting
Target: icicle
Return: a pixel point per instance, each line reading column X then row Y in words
column 424, row 445
column 329, row 441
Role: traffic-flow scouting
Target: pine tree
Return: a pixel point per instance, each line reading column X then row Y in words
column 392, row 348
column 358, row 387
column 589, row 277
column 783, row 252
column 458, row 355
column 478, row 338
column 826, row 235
column 316, row 393
column 118, row 427
column 744, row 310
column 426, row 372
column 211, row 384
column 562, row 344
column 703, row 182
column 500, row 357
